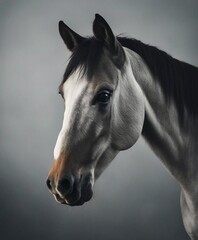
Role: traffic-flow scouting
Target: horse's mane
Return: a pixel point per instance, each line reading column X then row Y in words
column 178, row 80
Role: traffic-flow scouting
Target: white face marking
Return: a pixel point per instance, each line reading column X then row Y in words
column 72, row 90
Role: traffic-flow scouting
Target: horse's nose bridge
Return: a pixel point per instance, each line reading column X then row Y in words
column 60, row 144
column 58, row 166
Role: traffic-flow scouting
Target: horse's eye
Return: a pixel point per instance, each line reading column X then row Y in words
column 61, row 93
column 103, row 96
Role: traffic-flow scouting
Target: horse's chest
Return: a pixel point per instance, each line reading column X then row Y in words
column 190, row 216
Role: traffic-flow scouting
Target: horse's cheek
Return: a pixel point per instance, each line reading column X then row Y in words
column 127, row 126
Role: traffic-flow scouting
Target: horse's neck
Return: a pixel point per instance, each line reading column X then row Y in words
column 176, row 144
column 162, row 130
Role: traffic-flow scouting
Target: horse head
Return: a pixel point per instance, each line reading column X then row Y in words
column 104, row 112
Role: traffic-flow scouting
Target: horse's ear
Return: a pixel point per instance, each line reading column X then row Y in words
column 103, row 32
column 70, row 38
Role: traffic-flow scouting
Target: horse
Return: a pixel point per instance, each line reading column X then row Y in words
column 116, row 89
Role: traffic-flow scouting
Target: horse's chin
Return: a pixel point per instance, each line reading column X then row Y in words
column 85, row 197
column 81, row 201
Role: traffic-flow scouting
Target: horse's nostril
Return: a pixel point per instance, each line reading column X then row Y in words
column 48, row 182
column 65, row 186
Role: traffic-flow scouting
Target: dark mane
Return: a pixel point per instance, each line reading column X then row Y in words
column 179, row 80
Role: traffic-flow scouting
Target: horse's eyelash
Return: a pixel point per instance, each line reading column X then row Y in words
column 104, row 89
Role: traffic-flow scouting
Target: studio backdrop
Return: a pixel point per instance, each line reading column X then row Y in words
column 135, row 198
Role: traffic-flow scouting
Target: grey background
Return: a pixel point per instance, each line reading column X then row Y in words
column 135, row 198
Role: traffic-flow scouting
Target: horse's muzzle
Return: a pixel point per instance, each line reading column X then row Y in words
column 71, row 190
